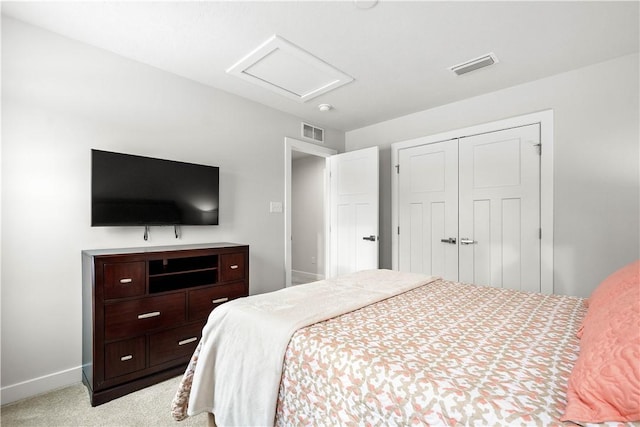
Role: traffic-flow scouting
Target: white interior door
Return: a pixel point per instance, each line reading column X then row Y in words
column 428, row 194
column 469, row 208
column 500, row 208
column 354, row 211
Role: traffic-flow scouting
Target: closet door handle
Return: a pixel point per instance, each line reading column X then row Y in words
column 451, row 240
column 467, row 241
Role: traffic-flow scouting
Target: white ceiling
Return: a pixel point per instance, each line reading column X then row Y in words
column 398, row 52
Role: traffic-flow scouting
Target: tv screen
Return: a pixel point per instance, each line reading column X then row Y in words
column 136, row 190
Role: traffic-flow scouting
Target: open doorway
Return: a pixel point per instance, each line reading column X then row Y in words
column 306, row 206
column 308, row 243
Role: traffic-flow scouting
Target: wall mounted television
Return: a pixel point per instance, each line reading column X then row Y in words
column 130, row 190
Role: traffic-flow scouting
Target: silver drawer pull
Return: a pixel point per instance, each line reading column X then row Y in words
column 220, row 300
column 234, row 266
column 127, row 357
column 123, row 281
column 148, row 315
column 187, row 341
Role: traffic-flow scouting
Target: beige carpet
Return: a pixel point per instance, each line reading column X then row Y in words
column 70, row 406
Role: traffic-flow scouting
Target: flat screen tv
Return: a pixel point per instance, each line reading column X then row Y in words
column 129, row 190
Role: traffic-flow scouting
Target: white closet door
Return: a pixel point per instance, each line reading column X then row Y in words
column 499, row 216
column 428, row 214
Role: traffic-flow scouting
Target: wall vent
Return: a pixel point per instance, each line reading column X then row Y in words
column 474, row 64
column 312, row 132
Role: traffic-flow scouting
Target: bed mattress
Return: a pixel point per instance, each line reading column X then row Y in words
column 444, row 353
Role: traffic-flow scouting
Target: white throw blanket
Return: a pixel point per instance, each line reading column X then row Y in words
column 238, row 373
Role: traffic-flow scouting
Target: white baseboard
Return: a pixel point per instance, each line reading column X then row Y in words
column 44, row 384
column 304, row 277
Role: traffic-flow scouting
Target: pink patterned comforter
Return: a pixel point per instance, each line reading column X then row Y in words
column 442, row 354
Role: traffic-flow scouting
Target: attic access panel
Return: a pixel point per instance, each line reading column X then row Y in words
column 284, row 68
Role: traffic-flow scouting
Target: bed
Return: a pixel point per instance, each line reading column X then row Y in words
column 389, row 348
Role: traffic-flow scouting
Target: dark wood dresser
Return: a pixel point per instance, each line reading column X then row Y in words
column 144, row 309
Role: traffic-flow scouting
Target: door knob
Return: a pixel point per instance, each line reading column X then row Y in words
column 467, row 241
column 371, row 238
column 451, row 240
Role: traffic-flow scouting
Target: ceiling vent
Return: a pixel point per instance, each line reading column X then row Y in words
column 474, row 64
column 312, row 132
column 284, row 68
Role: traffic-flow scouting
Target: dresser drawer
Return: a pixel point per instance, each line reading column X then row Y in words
column 232, row 267
column 135, row 317
column 174, row 344
column 202, row 301
column 124, row 357
column 124, row 279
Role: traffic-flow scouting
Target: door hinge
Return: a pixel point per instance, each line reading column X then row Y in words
column 398, row 229
column 398, row 169
column 540, row 233
column 538, row 148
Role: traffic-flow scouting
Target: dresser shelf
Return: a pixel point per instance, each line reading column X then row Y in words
column 144, row 309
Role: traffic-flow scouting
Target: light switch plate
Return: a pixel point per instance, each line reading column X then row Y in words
column 275, row 207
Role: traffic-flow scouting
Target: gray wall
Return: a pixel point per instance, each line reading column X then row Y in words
column 596, row 162
column 60, row 99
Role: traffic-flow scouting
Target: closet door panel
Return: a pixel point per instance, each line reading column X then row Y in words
column 500, row 208
column 428, row 198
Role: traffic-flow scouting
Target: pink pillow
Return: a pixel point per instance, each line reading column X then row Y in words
column 616, row 283
column 613, row 285
column 605, row 382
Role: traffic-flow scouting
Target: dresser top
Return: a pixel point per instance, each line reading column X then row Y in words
column 151, row 249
